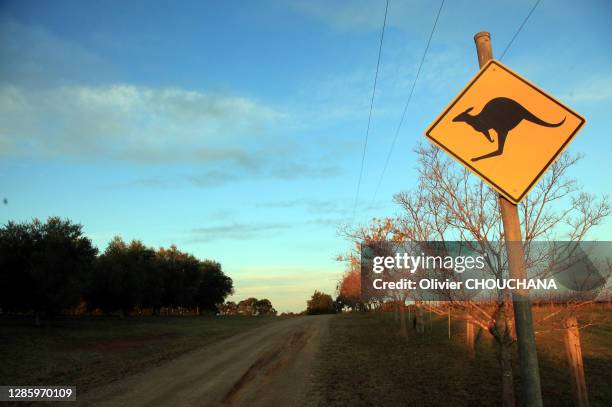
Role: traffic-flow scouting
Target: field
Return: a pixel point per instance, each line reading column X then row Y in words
column 365, row 362
column 90, row 352
column 357, row 359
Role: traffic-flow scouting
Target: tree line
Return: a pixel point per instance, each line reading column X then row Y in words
column 47, row 268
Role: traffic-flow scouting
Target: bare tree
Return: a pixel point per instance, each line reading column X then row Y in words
column 451, row 204
column 376, row 236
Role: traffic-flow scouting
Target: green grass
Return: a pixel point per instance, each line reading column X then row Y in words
column 92, row 351
column 364, row 362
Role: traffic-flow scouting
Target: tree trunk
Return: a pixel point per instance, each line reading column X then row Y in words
column 403, row 330
column 505, row 356
column 396, row 310
column 420, row 323
column 573, row 350
column 409, row 317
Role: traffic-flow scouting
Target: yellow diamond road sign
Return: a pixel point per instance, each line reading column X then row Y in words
column 505, row 129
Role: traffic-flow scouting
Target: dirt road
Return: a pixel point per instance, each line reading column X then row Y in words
column 268, row 366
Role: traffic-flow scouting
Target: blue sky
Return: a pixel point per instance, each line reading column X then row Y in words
column 234, row 129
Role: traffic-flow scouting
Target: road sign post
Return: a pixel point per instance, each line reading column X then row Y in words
column 508, row 132
column 528, row 356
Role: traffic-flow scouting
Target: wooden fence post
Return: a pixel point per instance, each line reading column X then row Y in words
column 574, row 359
column 469, row 326
column 449, row 322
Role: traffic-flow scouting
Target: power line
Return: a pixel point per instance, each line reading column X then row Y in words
column 401, row 122
column 365, row 144
column 519, row 29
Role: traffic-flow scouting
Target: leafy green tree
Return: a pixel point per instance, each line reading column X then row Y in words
column 44, row 267
column 247, row 307
column 320, row 303
column 264, row 307
column 214, row 286
column 17, row 246
column 229, row 308
column 125, row 277
column 181, row 276
column 144, row 270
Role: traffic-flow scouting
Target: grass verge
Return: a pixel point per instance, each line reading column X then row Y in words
column 365, row 362
column 92, row 351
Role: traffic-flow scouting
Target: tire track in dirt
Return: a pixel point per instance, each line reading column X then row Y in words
column 264, row 367
column 260, row 374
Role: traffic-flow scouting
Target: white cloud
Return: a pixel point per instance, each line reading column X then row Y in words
column 237, row 231
column 132, row 123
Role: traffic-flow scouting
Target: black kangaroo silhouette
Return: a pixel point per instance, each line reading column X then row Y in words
column 502, row 115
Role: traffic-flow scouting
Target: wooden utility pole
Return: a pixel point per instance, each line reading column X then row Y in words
column 528, row 356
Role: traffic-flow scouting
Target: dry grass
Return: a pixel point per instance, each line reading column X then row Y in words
column 88, row 352
column 364, row 362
